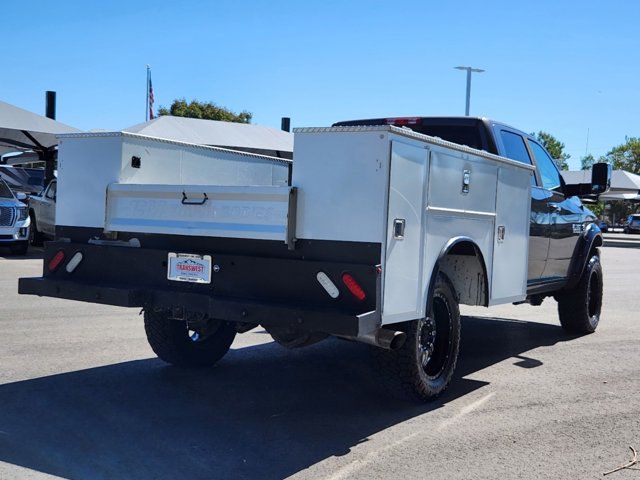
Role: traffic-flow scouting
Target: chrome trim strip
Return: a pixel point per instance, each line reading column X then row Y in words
column 459, row 211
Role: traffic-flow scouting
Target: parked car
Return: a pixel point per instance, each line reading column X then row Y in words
column 42, row 212
column 633, row 224
column 14, row 220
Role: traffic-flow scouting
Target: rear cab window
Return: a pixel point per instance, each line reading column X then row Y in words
column 460, row 134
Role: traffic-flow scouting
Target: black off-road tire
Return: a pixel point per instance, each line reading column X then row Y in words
column 402, row 370
column 20, row 248
column 171, row 341
column 579, row 308
column 35, row 237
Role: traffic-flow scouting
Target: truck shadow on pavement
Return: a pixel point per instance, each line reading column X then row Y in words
column 34, row 253
column 263, row 413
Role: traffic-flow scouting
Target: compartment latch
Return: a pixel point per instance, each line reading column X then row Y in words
column 398, row 228
column 466, row 181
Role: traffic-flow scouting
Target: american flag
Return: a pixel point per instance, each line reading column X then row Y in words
column 151, row 116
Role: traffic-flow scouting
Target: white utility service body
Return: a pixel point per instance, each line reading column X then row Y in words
column 358, row 183
column 353, row 184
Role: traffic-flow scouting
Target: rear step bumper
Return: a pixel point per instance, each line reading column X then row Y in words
column 229, row 309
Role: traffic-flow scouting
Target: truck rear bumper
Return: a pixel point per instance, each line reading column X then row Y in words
column 328, row 321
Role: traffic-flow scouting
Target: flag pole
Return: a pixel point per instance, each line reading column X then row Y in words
column 146, row 108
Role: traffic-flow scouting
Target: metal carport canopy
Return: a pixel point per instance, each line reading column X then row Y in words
column 23, row 130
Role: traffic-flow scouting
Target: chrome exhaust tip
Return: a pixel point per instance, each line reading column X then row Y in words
column 390, row 339
column 382, row 338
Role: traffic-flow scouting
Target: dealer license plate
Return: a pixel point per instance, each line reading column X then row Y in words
column 186, row 267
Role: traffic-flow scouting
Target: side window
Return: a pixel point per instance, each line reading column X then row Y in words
column 51, row 192
column 5, row 191
column 515, row 149
column 547, row 167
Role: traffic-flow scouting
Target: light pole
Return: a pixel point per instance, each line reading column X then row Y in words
column 469, row 70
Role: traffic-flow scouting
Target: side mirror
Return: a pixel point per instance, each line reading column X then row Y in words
column 21, row 196
column 600, row 178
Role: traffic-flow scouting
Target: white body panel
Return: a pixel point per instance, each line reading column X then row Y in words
column 88, row 163
column 342, row 183
column 403, row 274
column 85, row 167
column 510, row 257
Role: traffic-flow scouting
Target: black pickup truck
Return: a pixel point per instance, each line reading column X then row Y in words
column 200, row 287
column 563, row 258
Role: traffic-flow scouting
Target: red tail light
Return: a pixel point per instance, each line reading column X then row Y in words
column 55, row 262
column 353, row 286
column 403, row 121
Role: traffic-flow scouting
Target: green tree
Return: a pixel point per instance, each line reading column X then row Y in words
column 555, row 148
column 587, row 162
column 204, row 110
column 625, row 156
column 597, row 208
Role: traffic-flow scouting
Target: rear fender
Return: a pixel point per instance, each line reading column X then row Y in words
column 466, row 246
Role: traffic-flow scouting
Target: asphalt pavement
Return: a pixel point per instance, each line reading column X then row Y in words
column 83, row 397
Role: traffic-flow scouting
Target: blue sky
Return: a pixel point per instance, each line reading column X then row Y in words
column 566, row 67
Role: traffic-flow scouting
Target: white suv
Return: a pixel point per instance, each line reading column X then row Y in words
column 14, row 221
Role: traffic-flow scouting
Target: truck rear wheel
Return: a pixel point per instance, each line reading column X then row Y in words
column 173, row 342
column 579, row 308
column 422, row 368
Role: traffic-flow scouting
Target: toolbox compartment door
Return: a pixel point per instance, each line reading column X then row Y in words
column 403, row 278
column 511, row 236
column 201, row 210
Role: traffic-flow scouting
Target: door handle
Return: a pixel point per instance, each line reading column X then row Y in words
column 186, row 201
column 398, row 228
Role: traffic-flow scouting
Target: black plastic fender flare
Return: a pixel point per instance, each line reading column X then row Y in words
column 587, row 243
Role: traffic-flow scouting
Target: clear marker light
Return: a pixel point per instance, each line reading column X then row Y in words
column 328, row 285
column 74, row 262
